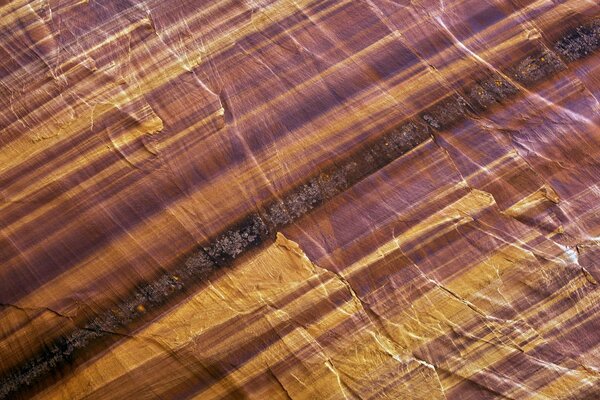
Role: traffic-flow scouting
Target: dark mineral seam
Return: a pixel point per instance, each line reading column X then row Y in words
column 257, row 228
column 20, row 172
column 95, row 167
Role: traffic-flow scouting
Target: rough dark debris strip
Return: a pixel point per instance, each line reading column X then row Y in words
column 445, row 113
column 537, row 67
column 249, row 233
column 332, row 180
column 490, row 91
column 579, row 43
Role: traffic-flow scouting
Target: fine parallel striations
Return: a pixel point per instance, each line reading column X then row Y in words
column 431, row 157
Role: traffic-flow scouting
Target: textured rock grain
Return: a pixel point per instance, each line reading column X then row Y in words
column 295, row 199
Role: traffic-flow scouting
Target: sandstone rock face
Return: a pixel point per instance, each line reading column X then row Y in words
column 290, row 199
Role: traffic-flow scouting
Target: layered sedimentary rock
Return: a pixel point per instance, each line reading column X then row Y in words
column 294, row 199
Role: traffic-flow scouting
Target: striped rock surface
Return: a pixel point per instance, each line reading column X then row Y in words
column 300, row 199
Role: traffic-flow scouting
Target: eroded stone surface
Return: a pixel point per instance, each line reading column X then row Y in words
column 437, row 163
